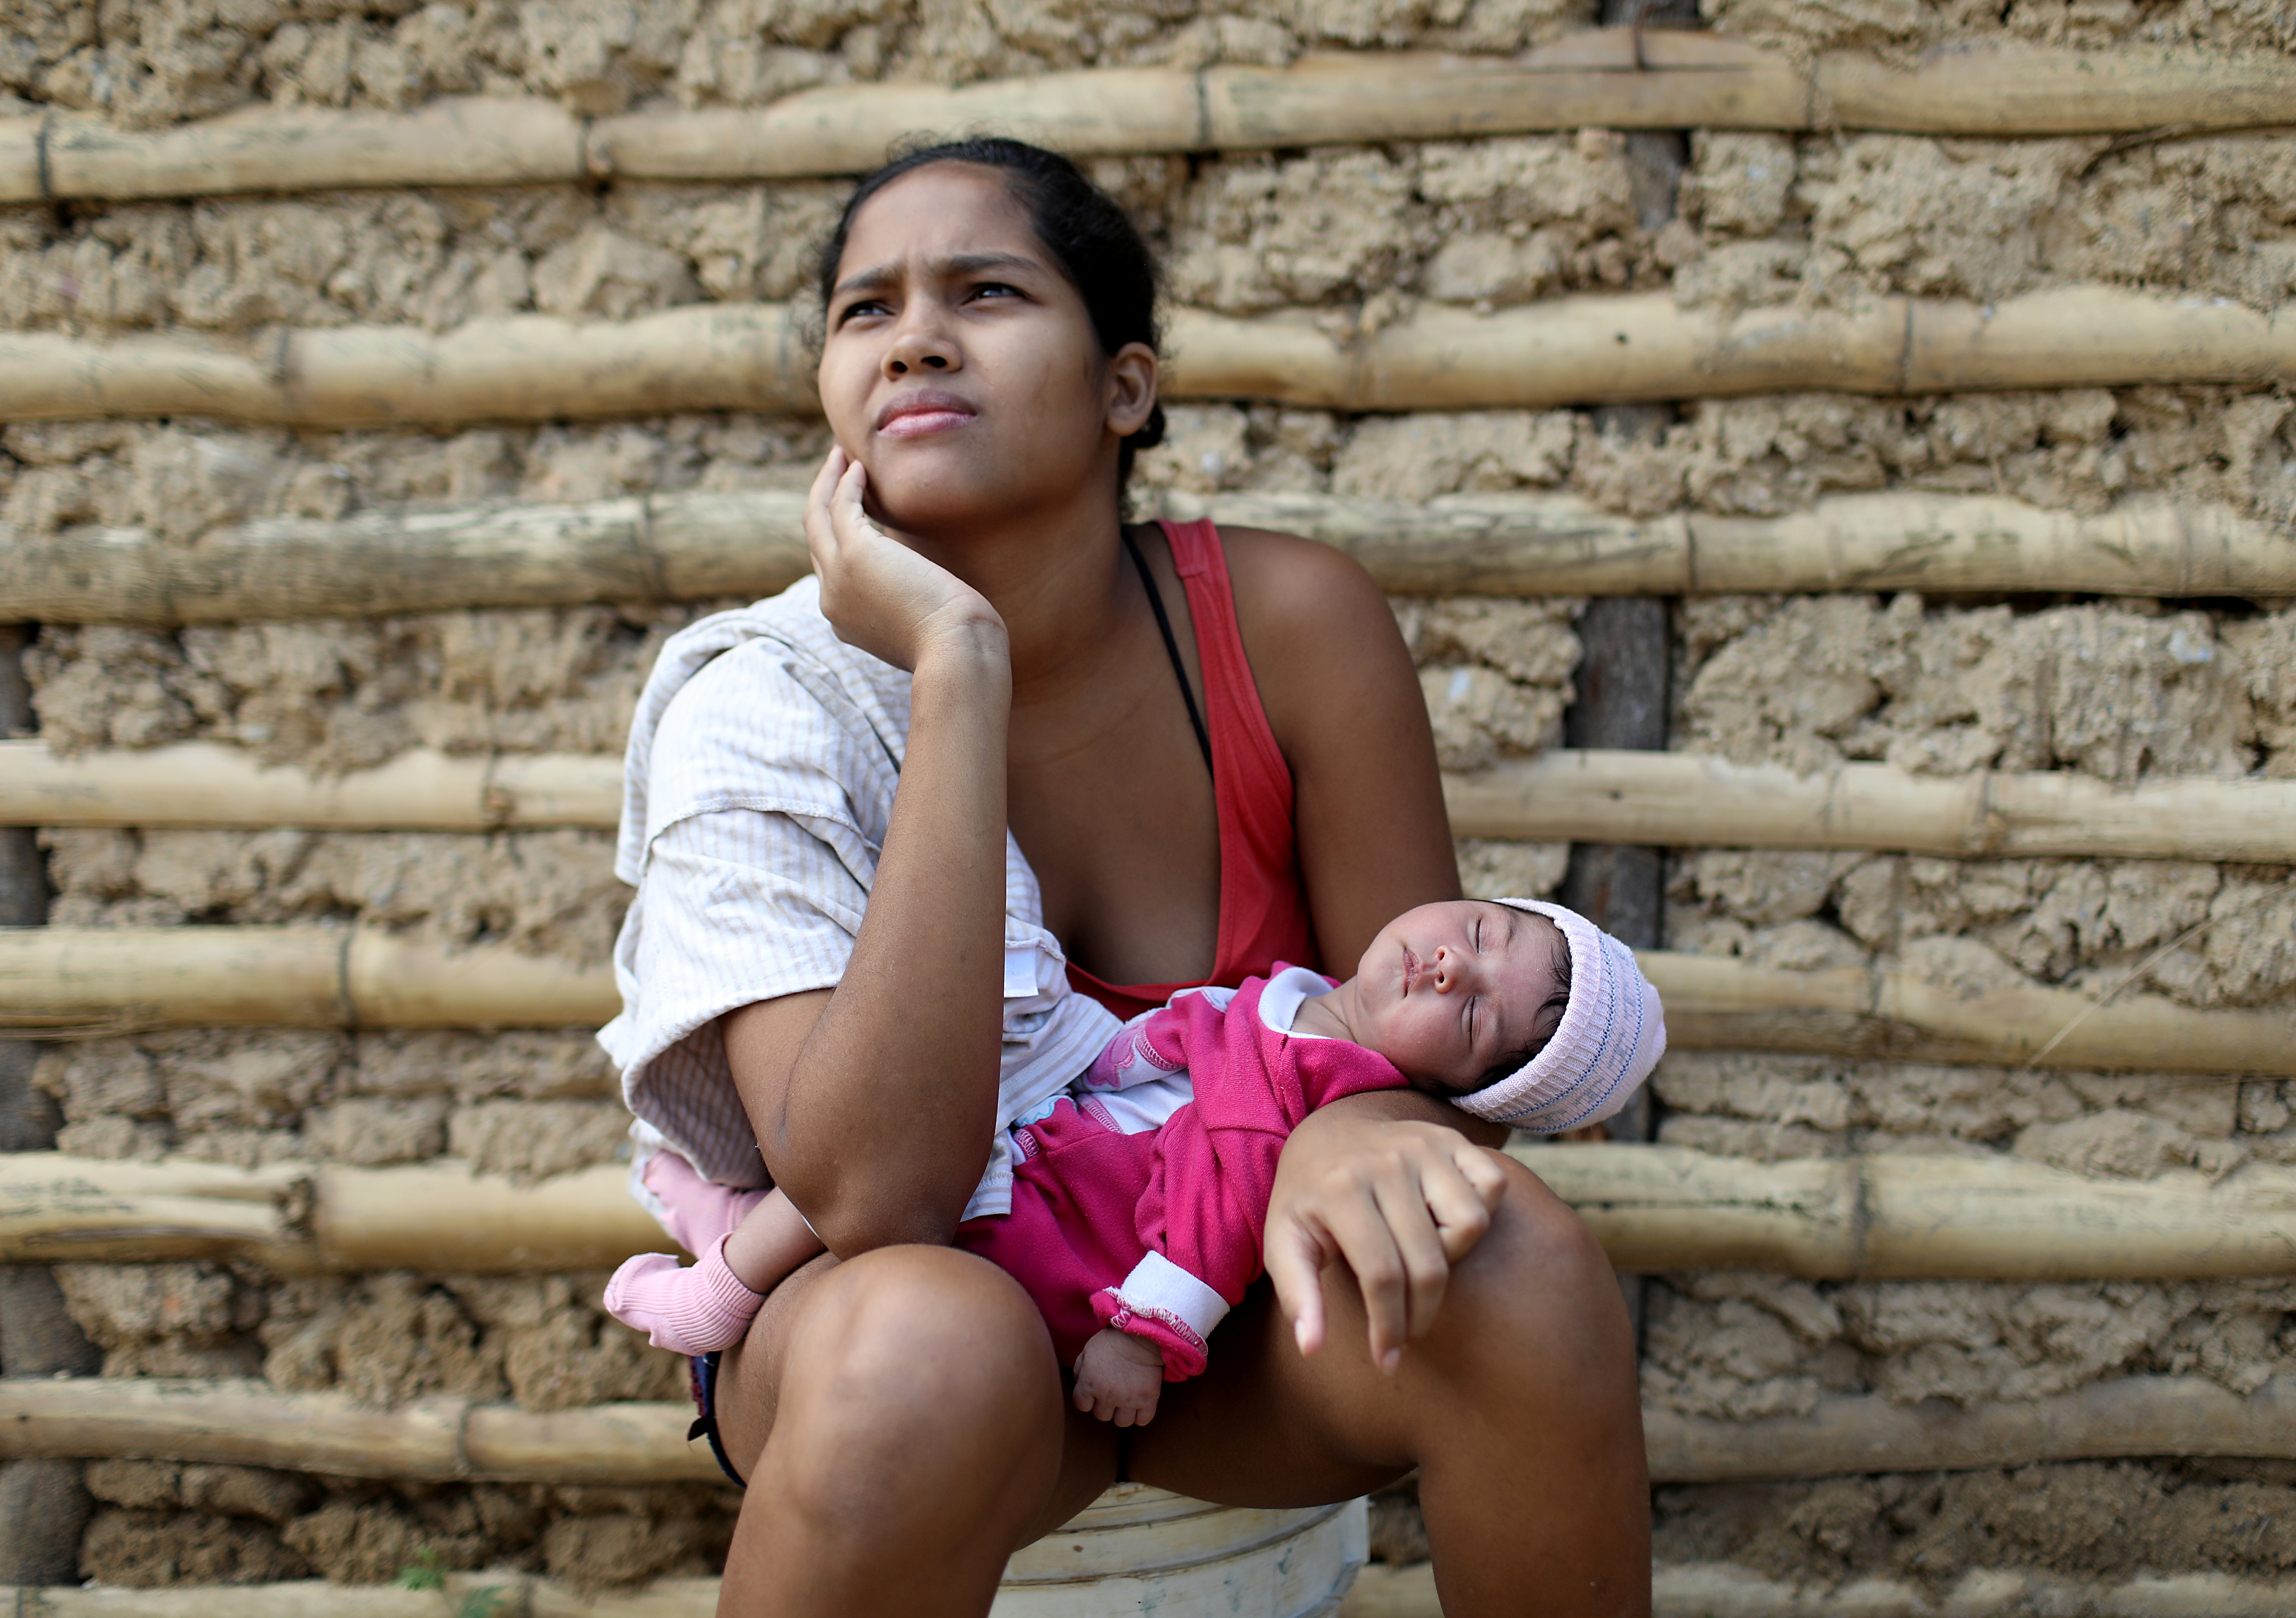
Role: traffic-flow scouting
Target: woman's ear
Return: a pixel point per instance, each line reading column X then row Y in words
column 1131, row 388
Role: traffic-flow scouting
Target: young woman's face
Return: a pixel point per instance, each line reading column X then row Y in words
column 960, row 366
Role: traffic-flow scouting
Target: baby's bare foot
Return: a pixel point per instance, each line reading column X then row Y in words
column 1118, row 1377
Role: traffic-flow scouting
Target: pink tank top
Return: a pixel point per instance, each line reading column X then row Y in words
column 1262, row 905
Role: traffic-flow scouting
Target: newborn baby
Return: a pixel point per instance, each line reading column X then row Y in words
column 1140, row 1198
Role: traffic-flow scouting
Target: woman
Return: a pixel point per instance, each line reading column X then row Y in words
column 1210, row 750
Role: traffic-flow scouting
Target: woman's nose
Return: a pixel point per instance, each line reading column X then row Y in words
column 919, row 349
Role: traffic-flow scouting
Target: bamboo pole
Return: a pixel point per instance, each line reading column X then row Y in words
column 21, row 179
column 669, row 547
column 82, row 981
column 2136, row 1416
column 301, row 1218
column 1884, row 1215
column 521, row 1595
column 1725, row 1590
column 1675, row 800
column 2092, row 336
column 1617, row 348
column 442, row 1217
column 454, row 140
column 1946, row 542
column 1689, row 800
column 515, row 367
column 248, row 1423
column 1653, row 1207
column 1719, row 1003
column 699, row 546
column 60, row 1209
column 2010, row 90
column 1608, row 77
column 1575, row 350
column 87, row 980
column 1718, row 1590
column 1592, row 79
column 506, row 1592
column 200, row 784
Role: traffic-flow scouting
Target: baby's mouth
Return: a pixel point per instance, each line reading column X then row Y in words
column 1410, row 970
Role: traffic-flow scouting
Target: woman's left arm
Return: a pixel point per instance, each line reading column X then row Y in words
column 1385, row 1181
column 1345, row 705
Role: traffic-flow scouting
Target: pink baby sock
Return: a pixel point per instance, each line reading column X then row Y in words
column 692, row 1310
column 700, row 1210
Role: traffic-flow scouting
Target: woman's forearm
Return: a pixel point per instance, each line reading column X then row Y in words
column 1412, row 1106
column 878, row 1123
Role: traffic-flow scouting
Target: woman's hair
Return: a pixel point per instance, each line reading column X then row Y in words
column 1085, row 230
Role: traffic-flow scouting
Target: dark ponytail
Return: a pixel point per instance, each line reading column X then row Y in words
column 1087, row 232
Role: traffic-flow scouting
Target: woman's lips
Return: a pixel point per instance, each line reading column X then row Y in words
column 920, row 414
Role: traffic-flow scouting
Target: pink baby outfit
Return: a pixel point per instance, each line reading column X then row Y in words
column 1158, row 1231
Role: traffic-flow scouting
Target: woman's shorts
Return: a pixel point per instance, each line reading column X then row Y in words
column 704, row 1368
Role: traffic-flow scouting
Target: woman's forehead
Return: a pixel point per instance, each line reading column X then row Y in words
column 943, row 210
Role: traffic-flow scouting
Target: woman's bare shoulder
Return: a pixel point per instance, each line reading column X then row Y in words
column 1300, row 599
column 1325, row 651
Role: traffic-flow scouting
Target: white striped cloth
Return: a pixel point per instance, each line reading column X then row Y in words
column 757, row 791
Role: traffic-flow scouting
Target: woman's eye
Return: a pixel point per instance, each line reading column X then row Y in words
column 866, row 305
column 995, row 288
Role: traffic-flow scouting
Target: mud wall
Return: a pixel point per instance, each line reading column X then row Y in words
column 2121, row 691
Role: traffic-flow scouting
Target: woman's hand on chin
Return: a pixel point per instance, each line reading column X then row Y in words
column 1399, row 1200
column 878, row 593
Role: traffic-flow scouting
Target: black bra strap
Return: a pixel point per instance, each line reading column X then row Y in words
column 1171, row 646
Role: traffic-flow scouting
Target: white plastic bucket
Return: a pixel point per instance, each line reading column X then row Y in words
column 1139, row 1550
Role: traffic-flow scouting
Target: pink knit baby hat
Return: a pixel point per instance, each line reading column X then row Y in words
column 1612, row 1033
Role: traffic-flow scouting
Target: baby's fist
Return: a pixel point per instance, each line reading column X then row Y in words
column 1118, row 1379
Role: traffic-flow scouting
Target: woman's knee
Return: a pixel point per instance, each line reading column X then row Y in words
column 1540, row 1288
column 922, row 1340
column 916, row 1406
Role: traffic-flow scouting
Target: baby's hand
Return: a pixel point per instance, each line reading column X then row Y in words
column 1118, row 1377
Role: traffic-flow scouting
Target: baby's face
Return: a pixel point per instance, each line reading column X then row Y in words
column 1446, row 990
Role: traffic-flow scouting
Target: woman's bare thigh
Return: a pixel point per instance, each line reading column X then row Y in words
column 749, row 1383
column 1263, row 1428
column 1520, row 1407
column 1529, row 1312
